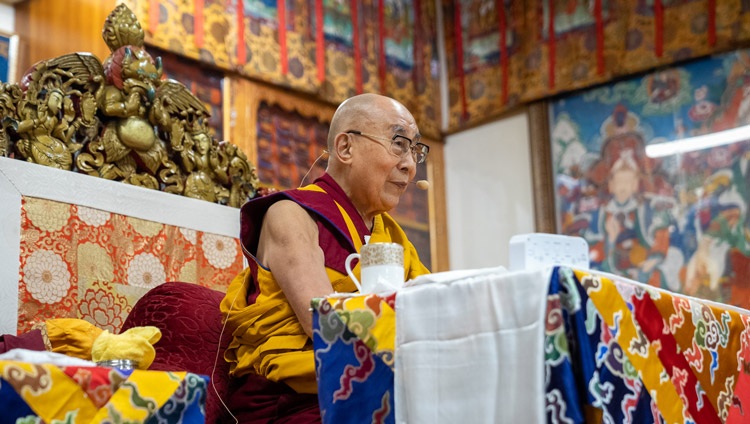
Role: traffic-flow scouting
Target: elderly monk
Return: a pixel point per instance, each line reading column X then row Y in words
column 296, row 242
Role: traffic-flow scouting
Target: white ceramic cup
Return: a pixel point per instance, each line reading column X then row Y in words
column 381, row 267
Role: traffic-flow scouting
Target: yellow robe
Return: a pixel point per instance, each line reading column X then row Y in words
column 267, row 338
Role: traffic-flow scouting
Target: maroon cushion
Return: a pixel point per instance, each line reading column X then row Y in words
column 190, row 321
column 32, row 340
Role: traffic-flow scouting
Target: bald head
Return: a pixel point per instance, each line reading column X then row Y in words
column 361, row 112
column 361, row 156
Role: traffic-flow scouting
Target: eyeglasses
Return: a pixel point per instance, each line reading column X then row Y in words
column 400, row 145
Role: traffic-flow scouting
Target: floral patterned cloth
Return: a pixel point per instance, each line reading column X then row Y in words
column 78, row 262
column 616, row 351
column 29, row 392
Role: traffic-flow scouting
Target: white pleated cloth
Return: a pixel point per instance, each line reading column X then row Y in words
column 470, row 348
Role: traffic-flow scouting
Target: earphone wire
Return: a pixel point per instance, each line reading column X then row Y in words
column 325, row 152
column 216, row 359
column 231, row 306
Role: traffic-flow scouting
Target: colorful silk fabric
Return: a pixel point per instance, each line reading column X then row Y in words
column 616, row 351
column 96, row 394
column 622, row 352
column 354, row 344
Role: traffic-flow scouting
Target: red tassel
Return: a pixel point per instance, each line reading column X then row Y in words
column 658, row 28
column 153, row 16
column 551, row 44
column 356, row 47
column 504, row 63
column 458, row 35
column 281, row 7
column 381, row 45
column 599, row 37
column 711, row 23
column 320, row 45
column 241, row 53
column 198, row 23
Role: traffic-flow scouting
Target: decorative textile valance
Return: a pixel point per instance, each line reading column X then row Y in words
column 376, row 46
column 499, row 52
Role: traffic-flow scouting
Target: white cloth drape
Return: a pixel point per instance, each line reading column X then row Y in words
column 470, row 348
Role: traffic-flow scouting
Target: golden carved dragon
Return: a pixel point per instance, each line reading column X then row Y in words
column 122, row 121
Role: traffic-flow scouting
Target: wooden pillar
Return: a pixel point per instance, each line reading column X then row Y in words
column 51, row 28
column 438, row 214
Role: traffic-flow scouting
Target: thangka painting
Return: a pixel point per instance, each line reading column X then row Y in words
column 674, row 220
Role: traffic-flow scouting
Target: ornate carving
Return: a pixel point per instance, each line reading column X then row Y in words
column 121, row 121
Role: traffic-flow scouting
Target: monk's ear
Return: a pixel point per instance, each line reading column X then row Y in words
column 342, row 147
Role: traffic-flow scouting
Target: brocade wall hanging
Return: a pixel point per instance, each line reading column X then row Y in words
column 80, row 262
column 502, row 52
column 330, row 49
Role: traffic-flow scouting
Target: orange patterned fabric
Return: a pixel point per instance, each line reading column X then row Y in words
column 79, row 262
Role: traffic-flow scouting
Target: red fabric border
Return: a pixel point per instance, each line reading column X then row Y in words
column 652, row 324
column 658, row 28
column 283, row 55
column 381, row 44
column 711, row 23
column 320, row 45
column 551, row 48
column 198, row 22
column 356, row 46
column 458, row 35
column 417, row 39
column 241, row 51
column 599, row 37
column 153, row 16
column 499, row 5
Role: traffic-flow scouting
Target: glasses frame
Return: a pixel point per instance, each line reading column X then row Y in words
column 416, row 149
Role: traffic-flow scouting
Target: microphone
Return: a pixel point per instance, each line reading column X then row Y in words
column 421, row 184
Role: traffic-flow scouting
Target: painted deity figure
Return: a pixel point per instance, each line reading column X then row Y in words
column 629, row 234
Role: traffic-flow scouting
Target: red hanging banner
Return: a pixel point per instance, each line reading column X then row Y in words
column 599, row 37
column 500, row 6
column 381, row 45
column 458, row 36
column 416, row 71
column 711, row 23
column 241, row 49
column 153, row 16
column 552, row 54
column 198, row 23
column 356, row 47
column 281, row 9
column 658, row 28
column 320, row 45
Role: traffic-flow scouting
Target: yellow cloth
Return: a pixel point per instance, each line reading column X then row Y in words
column 269, row 340
column 81, row 339
column 72, row 336
column 135, row 344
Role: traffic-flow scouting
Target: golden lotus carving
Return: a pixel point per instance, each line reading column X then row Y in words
column 120, row 120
